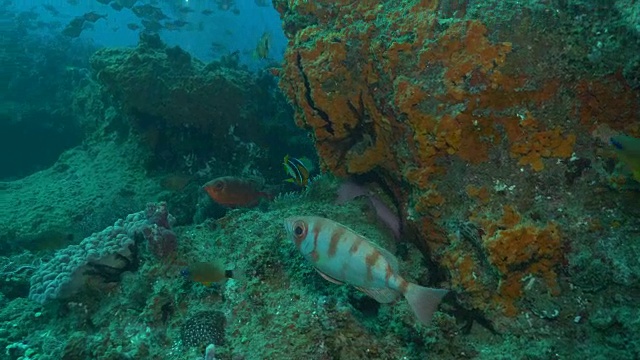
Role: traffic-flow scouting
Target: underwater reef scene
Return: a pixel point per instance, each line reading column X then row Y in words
column 416, row 179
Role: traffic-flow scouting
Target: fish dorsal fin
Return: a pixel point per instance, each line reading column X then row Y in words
column 329, row 278
column 381, row 295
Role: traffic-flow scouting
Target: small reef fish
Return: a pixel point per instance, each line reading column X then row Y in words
column 116, row 6
column 149, row 12
column 74, row 28
column 93, row 16
column 298, row 170
column 175, row 24
column 628, row 150
column 186, row 10
column 123, row 4
column 225, row 4
column 235, row 192
column 207, row 273
column 262, row 48
column 217, row 48
column 51, row 9
column 340, row 255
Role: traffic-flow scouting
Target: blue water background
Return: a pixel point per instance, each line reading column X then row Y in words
column 239, row 32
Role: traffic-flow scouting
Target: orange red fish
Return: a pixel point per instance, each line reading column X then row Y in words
column 340, row 255
column 235, row 192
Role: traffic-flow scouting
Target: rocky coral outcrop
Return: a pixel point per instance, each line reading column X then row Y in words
column 192, row 114
column 489, row 117
column 86, row 190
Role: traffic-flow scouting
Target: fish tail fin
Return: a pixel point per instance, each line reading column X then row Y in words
column 424, row 301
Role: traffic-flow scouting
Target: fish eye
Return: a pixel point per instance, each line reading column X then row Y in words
column 299, row 229
column 219, row 185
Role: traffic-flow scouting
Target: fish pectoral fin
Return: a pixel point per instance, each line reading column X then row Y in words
column 329, row 278
column 381, row 295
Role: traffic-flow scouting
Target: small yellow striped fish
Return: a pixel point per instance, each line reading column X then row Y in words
column 298, row 170
column 342, row 256
column 628, row 150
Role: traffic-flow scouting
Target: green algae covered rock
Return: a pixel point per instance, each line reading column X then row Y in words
column 167, row 83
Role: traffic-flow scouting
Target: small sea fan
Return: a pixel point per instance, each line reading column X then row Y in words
column 204, row 328
column 349, row 190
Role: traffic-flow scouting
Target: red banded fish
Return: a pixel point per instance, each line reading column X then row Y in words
column 340, row 255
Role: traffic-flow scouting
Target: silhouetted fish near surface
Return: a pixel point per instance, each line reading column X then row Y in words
column 225, row 4
column 116, row 6
column 74, row 28
column 149, row 12
column 175, row 24
column 340, row 255
column 207, row 12
column 217, row 48
column 93, row 16
column 51, row 9
column 127, row 3
column 152, row 26
column 133, row 26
